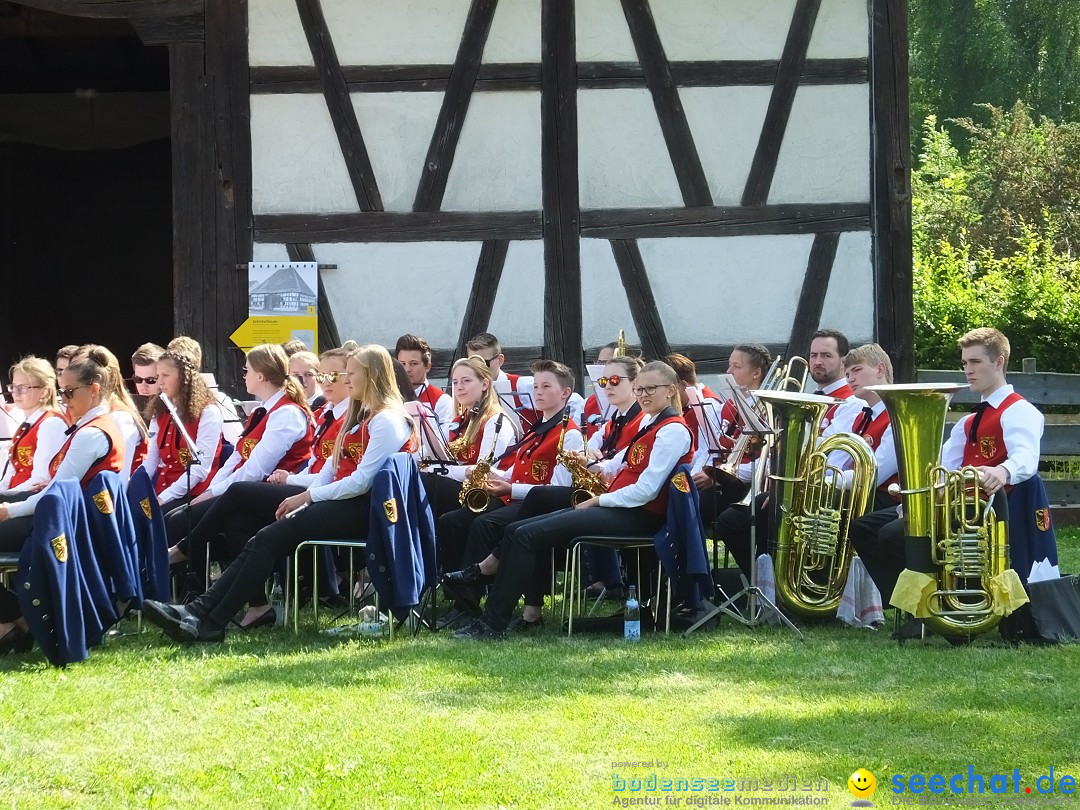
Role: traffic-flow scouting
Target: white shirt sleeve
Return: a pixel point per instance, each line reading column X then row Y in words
column 206, row 440
column 487, row 439
column 672, row 442
column 576, row 404
column 1022, row 427
column 50, row 438
column 284, row 428
column 387, row 432
column 130, row 431
column 844, row 417
column 884, row 454
column 88, row 445
column 561, row 476
column 952, row 452
column 444, row 413
column 153, row 451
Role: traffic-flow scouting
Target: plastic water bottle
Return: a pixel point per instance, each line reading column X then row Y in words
column 277, row 602
column 632, row 617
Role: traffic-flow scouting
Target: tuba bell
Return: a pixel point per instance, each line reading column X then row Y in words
column 952, row 533
column 810, row 508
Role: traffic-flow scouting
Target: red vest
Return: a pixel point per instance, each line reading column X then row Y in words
column 430, row 395
column 592, row 408
column 988, row 449
column 113, row 460
column 529, row 415
column 534, row 460
column 354, row 445
column 629, row 430
column 294, row 457
column 873, row 435
column 637, row 461
column 730, row 429
column 471, row 454
column 322, row 446
column 174, row 455
column 23, row 447
column 843, row 392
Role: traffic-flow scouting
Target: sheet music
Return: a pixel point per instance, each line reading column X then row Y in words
column 510, row 407
column 432, row 443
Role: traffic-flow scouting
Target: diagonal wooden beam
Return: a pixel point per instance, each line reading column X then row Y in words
column 759, row 181
column 669, row 108
column 485, row 285
column 340, row 105
column 639, row 295
column 455, row 105
column 329, row 336
column 812, row 298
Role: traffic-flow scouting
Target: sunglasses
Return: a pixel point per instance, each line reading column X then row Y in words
column 489, row 360
column 329, row 376
column 19, row 390
column 610, row 382
column 144, row 380
column 647, row 390
column 68, row 393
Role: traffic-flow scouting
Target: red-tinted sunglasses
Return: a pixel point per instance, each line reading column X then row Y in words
column 612, row 381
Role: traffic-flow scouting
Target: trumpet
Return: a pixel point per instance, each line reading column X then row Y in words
column 584, row 483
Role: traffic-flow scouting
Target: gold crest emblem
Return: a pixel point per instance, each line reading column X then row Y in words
column 540, row 470
column 184, row 455
column 681, row 483
column 637, row 453
column 103, row 501
column 26, row 456
column 59, row 547
column 390, row 507
column 327, row 448
column 1042, row 520
column 246, row 446
column 145, row 504
column 354, row 451
column 987, row 446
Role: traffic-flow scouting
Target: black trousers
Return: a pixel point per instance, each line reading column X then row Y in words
column 14, row 532
column 523, row 566
column 717, row 498
column 245, row 577
column 452, row 534
column 442, row 492
column 485, row 537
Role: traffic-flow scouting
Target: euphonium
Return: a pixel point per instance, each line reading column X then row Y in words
column 584, row 484
column 474, row 495
column 952, row 534
column 810, row 508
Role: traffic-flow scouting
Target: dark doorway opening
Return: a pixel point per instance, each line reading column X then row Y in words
column 85, row 186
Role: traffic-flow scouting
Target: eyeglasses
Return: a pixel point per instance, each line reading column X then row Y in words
column 68, row 393
column 144, row 380
column 329, row 376
column 19, row 390
column 612, row 381
column 647, row 390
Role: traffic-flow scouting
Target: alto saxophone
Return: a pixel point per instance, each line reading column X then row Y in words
column 584, row 484
column 474, row 495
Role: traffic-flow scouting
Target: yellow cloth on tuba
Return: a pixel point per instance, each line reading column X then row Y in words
column 1008, row 592
column 912, row 592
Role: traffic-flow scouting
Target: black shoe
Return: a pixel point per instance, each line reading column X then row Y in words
column 466, row 576
column 455, row 618
column 179, row 624
column 267, row 619
column 478, row 630
column 912, row 628
column 16, row 640
column 520, row 625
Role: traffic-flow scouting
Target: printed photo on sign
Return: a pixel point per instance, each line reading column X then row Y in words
column 283, row 288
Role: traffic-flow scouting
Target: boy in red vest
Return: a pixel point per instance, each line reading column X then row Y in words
column 414, row 354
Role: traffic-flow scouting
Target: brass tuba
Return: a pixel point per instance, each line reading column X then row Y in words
column 952, row 533
column 584, row 483
column 810, row 508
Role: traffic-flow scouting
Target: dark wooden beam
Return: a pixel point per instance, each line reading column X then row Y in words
column 639, row 295
column 763, row 167
column 455, row 105
column 340, row 105
column 890, row 149
column 118, row 9
column 166, row 30
column 518, row 359
column 812, row 297
column 439, row 226
column 329, row 336
column 526, row 75
column 485, row 285
column 787, row 218
column 669, row 108
column 559, row 177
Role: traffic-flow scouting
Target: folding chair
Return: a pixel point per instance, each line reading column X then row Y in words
column 571, row 583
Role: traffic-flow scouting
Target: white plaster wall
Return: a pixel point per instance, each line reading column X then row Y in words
column 623, row 161
column 296, row 162
column 275, row 35
column 604, row 307
column 267, row 252
column 397, row 129
column 396, row 32
column 726, row 290
column 515, row 33
column 602, row 33
column 497, row 164
column 849, row 301
column 723, row 29
column 517, row 318
column 725, row 122
column 382, row 290
column 842, row 30
column 826, row 151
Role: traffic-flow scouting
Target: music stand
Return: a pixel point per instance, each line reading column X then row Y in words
column 433, row 447
column 595, row 372
column 520, row 422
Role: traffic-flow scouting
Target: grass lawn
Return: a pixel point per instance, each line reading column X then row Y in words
column 270, row 719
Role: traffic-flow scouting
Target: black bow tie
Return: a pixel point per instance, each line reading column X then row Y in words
column 71, row 429
column 25, row 426
column 864, row 421
column 819, row 393
column 253, row 420
column 973, row 431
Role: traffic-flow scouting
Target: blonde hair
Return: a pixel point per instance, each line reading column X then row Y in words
column 146, row 354
column 113, row 389
column 870, row 354
column 42, row 373
column 379, row 394
column 189, row 346
column 992, row 340
column 488, row 406
column 306, row 357
column 269, row 360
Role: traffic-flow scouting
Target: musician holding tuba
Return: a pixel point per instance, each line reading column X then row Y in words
column 1001, row 441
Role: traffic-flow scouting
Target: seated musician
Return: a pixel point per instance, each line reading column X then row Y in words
column 593, row 419
column 41, row 434
column 169, row 461
column 63, row 357
column 94, row 444
column 144, row 373
column 335, row 506
column 304, row 368
column 1001, row 440
column 530, row 463
column 475, row 432
column 414, row 354
column 127, row 416
column 635, row 504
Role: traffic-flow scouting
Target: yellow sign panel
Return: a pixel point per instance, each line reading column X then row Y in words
column 277, row 329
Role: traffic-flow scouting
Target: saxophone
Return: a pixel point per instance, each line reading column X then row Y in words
column 584, row 484
column 474, row 495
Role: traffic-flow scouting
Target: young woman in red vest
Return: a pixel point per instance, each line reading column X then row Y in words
column 93, row 444
column 304, row 368
column 169, row 456
column 277, row 435
column 40, row 436
column 376, row 427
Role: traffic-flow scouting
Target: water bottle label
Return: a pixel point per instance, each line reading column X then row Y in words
column 632, row 631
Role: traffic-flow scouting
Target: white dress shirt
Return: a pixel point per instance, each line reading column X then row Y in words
column 846, row 412
column 388, row 430
column 1022, row 428
column 560, row 477
column 132, row 437
column 306, row 478
column 284, row 428
column 206, row 442
column 50, row 438
column 672, row 442
column 487, row 440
